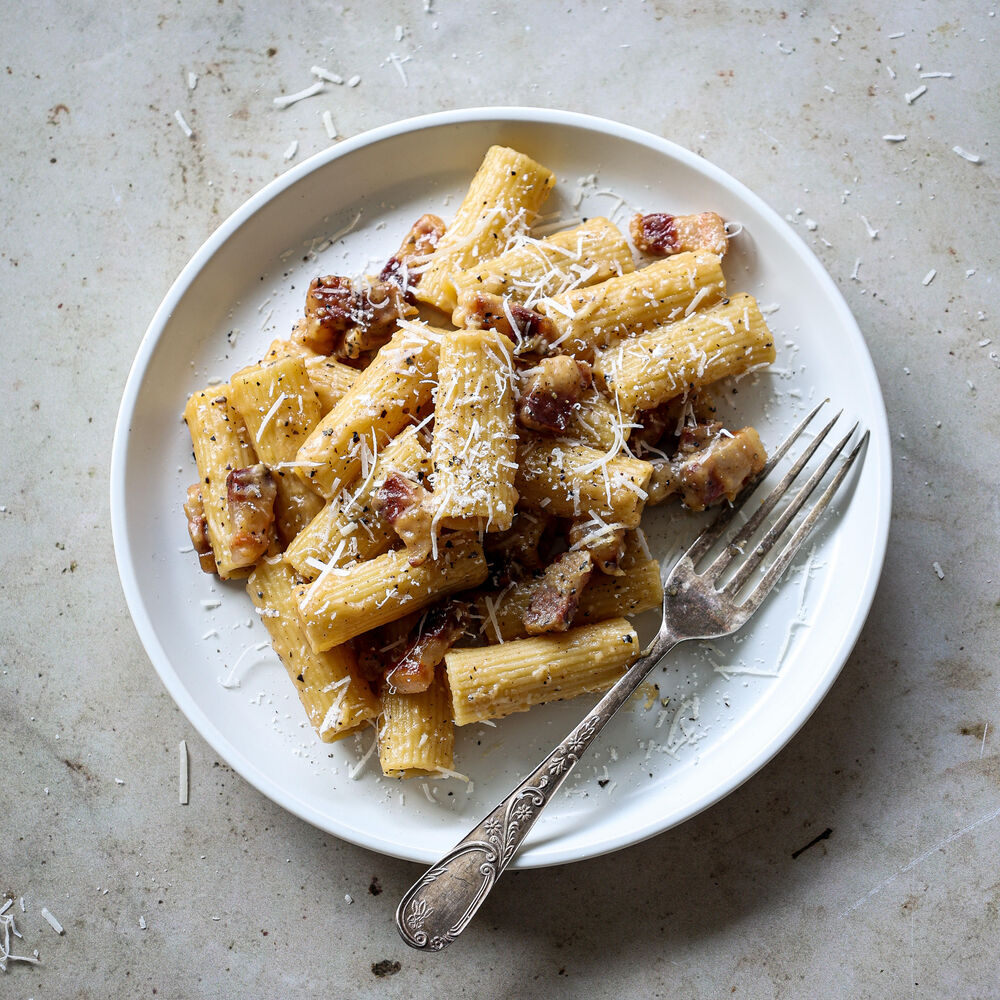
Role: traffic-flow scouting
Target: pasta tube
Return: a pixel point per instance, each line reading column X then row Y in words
column 330, row 379
column 594, row 317
column 221, row 444
column 506, row 192
column 340, row 604
column 349, row 528
column 533, row 269
column 728, row 340
column 416, row 736
column 493, row 681
column 381, row 402
column 280, row 407
column 335, row 696
column 474, row 448
column 570, row 480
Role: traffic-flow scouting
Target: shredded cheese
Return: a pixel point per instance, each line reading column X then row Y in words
column 287, row 100
column 182, row 774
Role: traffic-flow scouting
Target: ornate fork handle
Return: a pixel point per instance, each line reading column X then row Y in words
column 439, row 906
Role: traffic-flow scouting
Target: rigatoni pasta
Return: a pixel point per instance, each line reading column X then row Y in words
column 341, row 604
column 337, row 699
column 475, row 445
column 649, row 370
column 279, row 406
column 442, row 526
column 415, row 734
column 491, row 682
column 221, row 446
column 349, row 528
column 382, row 401
column 503, row 199
column 535, row 269
column 593, row 317
column 571, row 480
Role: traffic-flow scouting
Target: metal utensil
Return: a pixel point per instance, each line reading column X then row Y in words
column 439, row 906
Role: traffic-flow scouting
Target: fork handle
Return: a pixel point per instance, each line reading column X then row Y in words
column 439, row 906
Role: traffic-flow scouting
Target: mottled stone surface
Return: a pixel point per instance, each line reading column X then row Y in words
column 104, row 200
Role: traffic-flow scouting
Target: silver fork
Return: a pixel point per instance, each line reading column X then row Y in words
column 439, row 906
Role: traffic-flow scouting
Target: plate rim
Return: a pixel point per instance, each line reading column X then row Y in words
column 127, row 571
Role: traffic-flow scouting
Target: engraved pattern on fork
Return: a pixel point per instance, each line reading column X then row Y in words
column 449, row 893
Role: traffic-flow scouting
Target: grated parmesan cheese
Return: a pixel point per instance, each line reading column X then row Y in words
column 182, row 755
column 398, row 61
column 966, row 155
column 287, row 100
column 325, row 74
column 185, row 128
column 271, row 412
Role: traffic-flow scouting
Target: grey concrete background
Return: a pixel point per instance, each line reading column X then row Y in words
column 104, row 199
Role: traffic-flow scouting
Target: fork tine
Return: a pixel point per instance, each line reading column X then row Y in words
column 778, row 567
column 767, row 505
column 709, row 536
column 777, row 529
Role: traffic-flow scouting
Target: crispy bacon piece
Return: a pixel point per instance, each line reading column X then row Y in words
column 349, row 319
column 606, row 547
column 663, row 425
column 414, row 670
column 547, row 402
column 194, row 510
column 661, row 234
column 694, row 437
column 555, row 599
column 406, row 506
column 720, row 469
column 531, row 331
column 250, row 493
column 331, row 303
column 416, row 248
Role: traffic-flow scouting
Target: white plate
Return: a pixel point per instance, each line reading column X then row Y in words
column 250, row 277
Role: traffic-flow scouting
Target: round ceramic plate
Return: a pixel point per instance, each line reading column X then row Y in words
column 722, row 709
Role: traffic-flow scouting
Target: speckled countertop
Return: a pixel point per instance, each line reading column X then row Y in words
column 105, row 198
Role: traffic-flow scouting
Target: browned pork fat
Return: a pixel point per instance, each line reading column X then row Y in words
column 531, row 331
column 605, row 545
column 197, row 524
column 416, row 248
column 440, row 629
column 250, row 493
column 406, row 506
column 555, row 599
column 720, row 469
column 349, row 319
column 553, row 389
column 661, row 235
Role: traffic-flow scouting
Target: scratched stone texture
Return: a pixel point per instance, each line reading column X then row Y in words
column 103, row 201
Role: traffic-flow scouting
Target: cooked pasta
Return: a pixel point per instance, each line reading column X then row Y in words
column 441, row 526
